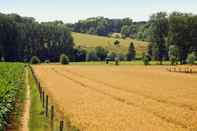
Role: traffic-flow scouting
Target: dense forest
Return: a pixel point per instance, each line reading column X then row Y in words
column 172, row 37
column 23, row 37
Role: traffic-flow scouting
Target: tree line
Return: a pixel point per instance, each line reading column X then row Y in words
column 23, row 37
column 105, row 27
column 172, row 36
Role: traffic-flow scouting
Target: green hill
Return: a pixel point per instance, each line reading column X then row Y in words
column 91, row 41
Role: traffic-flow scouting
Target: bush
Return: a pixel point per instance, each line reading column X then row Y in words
column 117, row 59
column 111, row 55
column 145, row 59
column 107, row 60
column 92, row 56
column 173, row 54
column 191, row 58
column 64, row 60
column 35, row 60
column 47, row 61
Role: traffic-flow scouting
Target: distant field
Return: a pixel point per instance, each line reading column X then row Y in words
column 122, row 98
column 91, row 41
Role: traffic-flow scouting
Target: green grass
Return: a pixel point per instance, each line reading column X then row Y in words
column 91, row 41
column 37, row 120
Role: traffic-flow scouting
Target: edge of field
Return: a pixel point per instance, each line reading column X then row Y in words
column 38, row 120
column 17, row 114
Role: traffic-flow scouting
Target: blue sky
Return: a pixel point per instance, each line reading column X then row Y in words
column 73, row 10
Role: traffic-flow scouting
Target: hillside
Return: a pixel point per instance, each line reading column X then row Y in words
column 90, row 41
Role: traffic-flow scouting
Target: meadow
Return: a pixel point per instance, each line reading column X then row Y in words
column 89, row 42
column 126, row 97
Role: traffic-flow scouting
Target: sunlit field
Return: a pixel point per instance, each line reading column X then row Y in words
column 115, row 98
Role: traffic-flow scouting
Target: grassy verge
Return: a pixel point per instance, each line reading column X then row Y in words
column 137, row 62
column 37, row 120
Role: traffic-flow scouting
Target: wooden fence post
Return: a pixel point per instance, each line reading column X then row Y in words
column 52, row 115
column 46, row 105
column 43, row 100
column 61, row 125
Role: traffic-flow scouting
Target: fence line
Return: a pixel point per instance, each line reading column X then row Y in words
column 181, row 70
column 45, row 103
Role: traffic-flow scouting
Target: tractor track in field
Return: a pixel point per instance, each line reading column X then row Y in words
column 122, row 100
column 191, row 108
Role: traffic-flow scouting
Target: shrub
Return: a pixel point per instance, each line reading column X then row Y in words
column 191, row 58
column 35, row 60
column 47, row 61
column 92, row 56
column 64, row 60
column 173, row 54
column 111, row 55
column 107, row 60
column 145, row 59
column 117, row 59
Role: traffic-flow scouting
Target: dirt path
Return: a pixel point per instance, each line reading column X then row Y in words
column 26, row 114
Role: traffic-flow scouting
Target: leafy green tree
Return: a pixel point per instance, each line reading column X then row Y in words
column 92, row 56
column 117, row 43
column 101, row 53
column 173, row 54
column 182, row 29
column 159, row 31
column 35, row 60
column 125, row 31
column 191, row 58
column 131, row 52
column 145, row 59
column 111, row 55
column 64, row 60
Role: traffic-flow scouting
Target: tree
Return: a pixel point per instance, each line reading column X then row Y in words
column 159, row 31
column 117, row 43
column 150, row 51
column 91, row 56
column 117, row 60
column 111, row 55
column 191, row 58
column 131, row 52
column 173, row 54
column 145, row 59
column 181, row 33
column 64, row 60
column 125, row 31
column 35, row 60
column 101, row 53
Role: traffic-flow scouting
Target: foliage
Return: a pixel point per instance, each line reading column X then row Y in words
column 131, row 52
column 182, row 30
column 111, row 56
column 117, row 60
column 64, row 60
column 173, row 54
column 11, row 82
column 191, row 58
column 101, row 52
column 35, row 60
column 23, row 37
column 79, row 54
column 159, row 31
column 145, row 59
column 92, row 56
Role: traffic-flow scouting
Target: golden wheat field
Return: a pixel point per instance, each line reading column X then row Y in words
column 123, row 98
